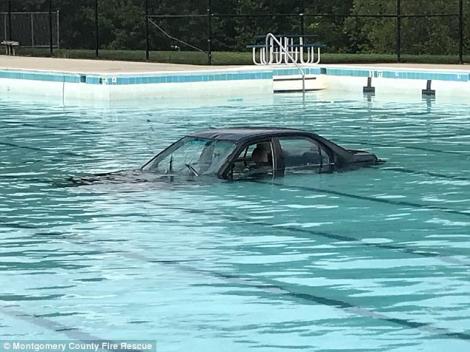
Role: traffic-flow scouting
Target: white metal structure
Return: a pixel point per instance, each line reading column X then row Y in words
column 285, row 50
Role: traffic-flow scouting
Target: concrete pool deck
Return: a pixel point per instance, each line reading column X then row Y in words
column 120, row 67
column 95, row 66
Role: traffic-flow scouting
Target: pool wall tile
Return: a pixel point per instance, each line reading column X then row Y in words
column 231, row 75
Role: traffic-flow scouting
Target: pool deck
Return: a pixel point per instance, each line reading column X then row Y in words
column 121, row 67
column 95, row 66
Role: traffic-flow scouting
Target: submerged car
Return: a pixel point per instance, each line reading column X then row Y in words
column 243, row 153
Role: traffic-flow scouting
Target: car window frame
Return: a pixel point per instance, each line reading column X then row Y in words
column 225, row 170
column 321, row 167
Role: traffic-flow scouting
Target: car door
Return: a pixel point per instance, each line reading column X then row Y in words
column 300, row 154
column 254, row 160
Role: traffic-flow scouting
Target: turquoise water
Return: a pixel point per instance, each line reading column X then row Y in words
column 370, row 260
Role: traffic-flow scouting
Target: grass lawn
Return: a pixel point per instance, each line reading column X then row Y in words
column 230, row 58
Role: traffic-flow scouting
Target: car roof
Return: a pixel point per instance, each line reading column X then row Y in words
column 237, row 134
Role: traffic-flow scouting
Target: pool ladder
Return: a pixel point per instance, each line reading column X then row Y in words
column 277, row 51
column 269, row 48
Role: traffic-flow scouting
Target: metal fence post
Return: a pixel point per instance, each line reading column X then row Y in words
column 209, row 29
column 461, row 39
column 147, row 39
column 51, row 44
column 97, row 35
column 398, row 30
column 9, row 20
column 32, row 30
column 58, row 28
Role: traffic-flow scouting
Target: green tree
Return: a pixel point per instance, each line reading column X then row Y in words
column 329, row 29
column 419, row 35
column 122, row 24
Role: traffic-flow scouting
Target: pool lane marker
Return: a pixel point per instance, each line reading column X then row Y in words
column 319, row 299
column 14, row 145
column 338, row 237
column 464, row 153
column 268, row 285
column 425, row 173
column 367, row 198
column 72, row 333
column 276, row 288
column 437, row 136
column 49, row 128
column 350, row 239
column 331, row 236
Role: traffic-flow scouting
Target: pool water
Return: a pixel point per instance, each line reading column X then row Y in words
column 375, row 259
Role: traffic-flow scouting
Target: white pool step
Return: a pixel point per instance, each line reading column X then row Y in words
column 293, row 83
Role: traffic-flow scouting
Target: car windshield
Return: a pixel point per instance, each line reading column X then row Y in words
column 191, row 156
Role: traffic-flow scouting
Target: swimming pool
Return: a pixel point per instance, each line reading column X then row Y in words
column 370, row 260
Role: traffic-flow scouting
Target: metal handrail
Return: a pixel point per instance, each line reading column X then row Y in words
column 273, row 38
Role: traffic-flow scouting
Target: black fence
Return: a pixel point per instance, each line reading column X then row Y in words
column 31, row 28
column 297, row 22
column 348, row 26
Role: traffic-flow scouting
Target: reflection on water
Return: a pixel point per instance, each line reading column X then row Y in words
column 374, row 259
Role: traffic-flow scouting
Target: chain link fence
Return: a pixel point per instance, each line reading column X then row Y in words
column 31, row 29
column 397, row 27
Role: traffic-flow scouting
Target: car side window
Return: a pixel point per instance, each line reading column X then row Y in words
column 254, row 161
column 302, row 153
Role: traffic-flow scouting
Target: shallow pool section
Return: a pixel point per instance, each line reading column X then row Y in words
column 370, row 260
